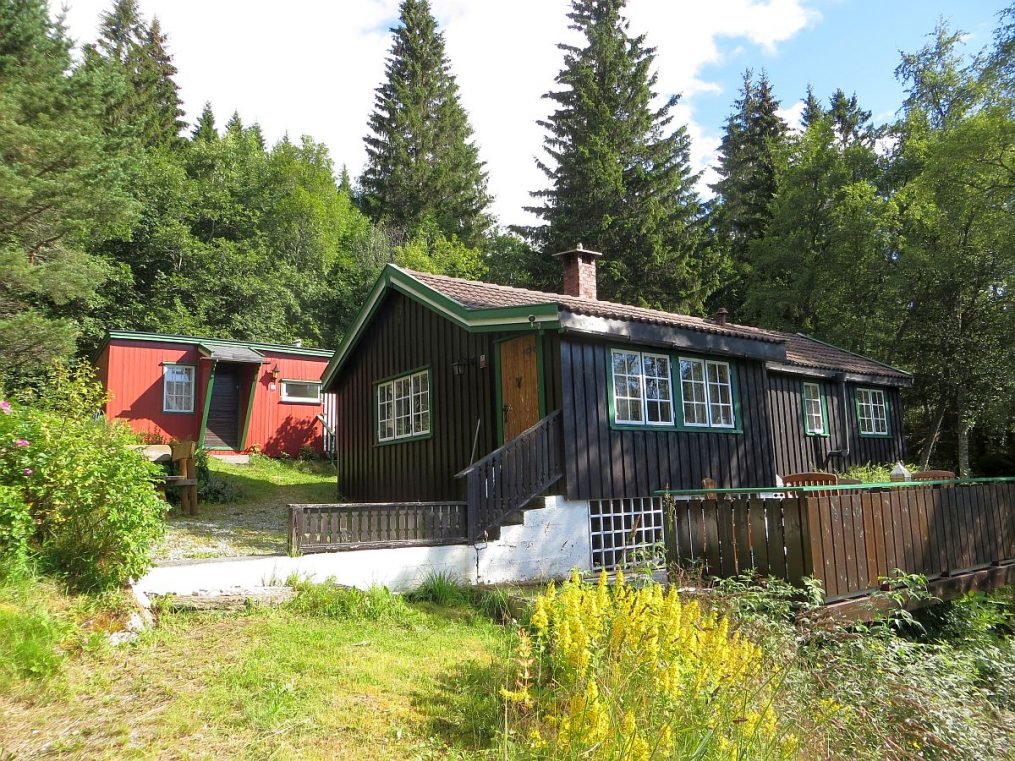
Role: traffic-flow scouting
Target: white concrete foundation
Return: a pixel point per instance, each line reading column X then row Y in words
column 552, row 541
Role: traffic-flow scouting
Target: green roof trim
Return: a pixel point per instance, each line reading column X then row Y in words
column 394, row 278
column 130, row 335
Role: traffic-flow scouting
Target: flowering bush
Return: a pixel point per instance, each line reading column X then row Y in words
column 73, row 490
column 638, row 673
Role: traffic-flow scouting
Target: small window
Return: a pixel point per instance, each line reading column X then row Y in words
column 642, row 392
column 706, row 387
column 308, row 392
column 872, row 411
column 403, row 407
column 178, row 388
column 814, row 411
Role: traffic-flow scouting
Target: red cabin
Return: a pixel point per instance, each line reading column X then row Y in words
column 229, row 396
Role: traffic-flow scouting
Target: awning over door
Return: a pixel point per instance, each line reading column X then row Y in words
column 228, row 353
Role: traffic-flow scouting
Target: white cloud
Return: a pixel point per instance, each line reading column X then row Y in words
column 793, row 115
column 311, row 67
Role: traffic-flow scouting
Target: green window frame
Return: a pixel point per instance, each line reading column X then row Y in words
column 815, row 409
column 402, row 407
column 641, row 388
column 707, row 394
column 179, row 388
column 872, row 413
column 660, row 391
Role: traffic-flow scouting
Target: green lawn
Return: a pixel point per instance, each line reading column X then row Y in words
column 254, row 519
column 272, row 683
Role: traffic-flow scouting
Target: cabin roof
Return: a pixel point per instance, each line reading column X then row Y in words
column 487, row 306
column 476, row 295
column 222, row 346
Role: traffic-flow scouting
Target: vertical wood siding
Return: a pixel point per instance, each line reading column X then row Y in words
column 602, row 463
column 403, row 336
column 796, row 452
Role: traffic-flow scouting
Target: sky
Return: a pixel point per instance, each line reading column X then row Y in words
column 311, row 66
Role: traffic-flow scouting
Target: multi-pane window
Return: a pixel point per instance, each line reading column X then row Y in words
column 178, row 388
column 403, row 407
column 872, row 411
column 642, row 391
column 301, row 391
column 814, row 410
column 707, row 391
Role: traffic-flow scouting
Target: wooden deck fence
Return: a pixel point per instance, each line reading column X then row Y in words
column 325, row 528
column 852, row 539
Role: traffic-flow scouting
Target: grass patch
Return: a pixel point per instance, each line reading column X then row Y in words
column 338, row 674
column 255, row 522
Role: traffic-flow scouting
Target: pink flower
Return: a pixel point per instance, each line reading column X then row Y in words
column 22, row 442
column 5, row 407
column 28, row 471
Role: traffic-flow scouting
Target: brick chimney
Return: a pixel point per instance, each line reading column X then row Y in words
column 579, row 272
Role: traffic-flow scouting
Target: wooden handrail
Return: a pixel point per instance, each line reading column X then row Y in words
column 508, row 478
column 486, row 458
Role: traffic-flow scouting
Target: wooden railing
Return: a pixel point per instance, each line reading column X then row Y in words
column 510, row 477
column 851, row 540
column 322, row 528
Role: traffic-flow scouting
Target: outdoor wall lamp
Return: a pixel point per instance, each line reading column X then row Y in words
column 275, row 373
column 459, row 365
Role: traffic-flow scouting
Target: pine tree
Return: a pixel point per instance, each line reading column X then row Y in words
column 747, row 182
column 159, row 92
column 205, row 127
column 61, row 189
column 620, row 175
column 421, row 159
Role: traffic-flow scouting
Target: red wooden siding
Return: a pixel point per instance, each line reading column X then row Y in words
column 277, row 426
column 132, row 372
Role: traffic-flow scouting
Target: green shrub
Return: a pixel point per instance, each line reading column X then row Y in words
column 329, row 600
column 15, row 532
column 872, row 473
column 212, row 488
column 90, row 496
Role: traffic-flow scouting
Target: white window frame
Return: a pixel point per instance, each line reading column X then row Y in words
column 402, row 406
column 865, row 399
column 287, row 397
column 712, row 389
column 809, row 411
column 192, row 372
column 642, row 399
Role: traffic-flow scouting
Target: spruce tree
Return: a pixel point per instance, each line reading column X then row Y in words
column 852, row 124
column 421, row 159
column 620, row 175
column 205, row 127
column 812, row 109
column 145, row 109
column 747, row 182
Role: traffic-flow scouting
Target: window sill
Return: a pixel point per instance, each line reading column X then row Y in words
column 404, row 440
column 815, row 434
column 671, row 428
column 315, row 402
column 177, row 412
column 875, row 435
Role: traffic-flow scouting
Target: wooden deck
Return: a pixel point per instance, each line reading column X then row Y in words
column 854, row 539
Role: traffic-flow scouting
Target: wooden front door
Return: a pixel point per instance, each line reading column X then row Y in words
column 519, row 385
column 223, row 429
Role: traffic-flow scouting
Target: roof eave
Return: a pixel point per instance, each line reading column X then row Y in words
column 835, row 374
column 670, row 336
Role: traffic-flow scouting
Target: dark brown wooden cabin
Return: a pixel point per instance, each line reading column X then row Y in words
column 438, row 372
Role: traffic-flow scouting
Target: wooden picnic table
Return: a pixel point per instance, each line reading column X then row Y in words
column 181, row 455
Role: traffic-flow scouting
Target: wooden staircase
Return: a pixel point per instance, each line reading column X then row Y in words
column 501, row 485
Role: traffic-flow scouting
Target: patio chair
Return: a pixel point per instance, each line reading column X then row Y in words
column 186, row 475
column 812, row 479
column 935, row 475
